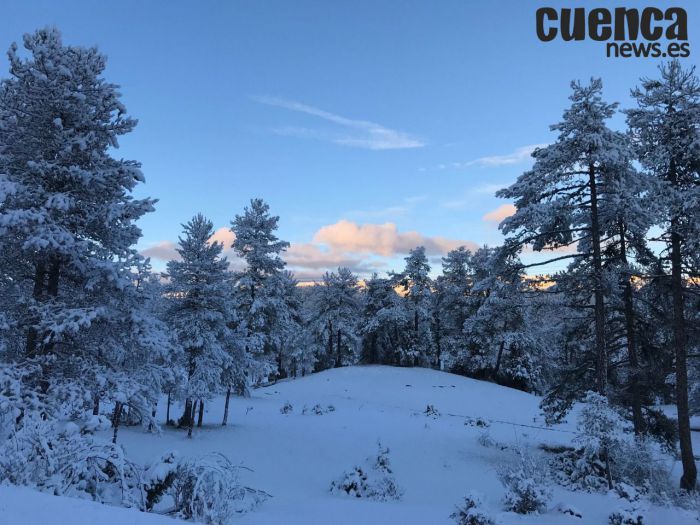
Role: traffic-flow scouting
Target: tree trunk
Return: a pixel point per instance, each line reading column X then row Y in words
column 689, row 477
column 96, row 405
column 599, row 309
column 39, row 277
column 153, row 417
column 200, row 417
column 438, row 338
column 193, row 408
column 339, row 361
column 185, row 419
column 498, row 361
column 228, row 398
column 54, row 273
column 116, row 418
column 167, row 411
column 637, row 419
column 330, row 340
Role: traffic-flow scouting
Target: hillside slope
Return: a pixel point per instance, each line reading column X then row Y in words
column 436, row 459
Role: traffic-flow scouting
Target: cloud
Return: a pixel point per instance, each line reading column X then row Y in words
column 163, row 250
column 473, row 195
column 517, row 156
column 363, row 247
column 500, row 213
column 224, row 236
column 312, row 256
column 380, row 239
column 167, row 250
column 364, row 134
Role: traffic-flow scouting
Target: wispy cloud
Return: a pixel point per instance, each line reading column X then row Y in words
column 474, row 195
column 353, row 133
column 517, row 156
column 514, row 157
column 500, row 213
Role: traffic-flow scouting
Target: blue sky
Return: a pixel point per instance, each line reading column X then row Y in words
column 368, row 126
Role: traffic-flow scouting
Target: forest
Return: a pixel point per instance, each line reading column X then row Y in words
column 93, row 340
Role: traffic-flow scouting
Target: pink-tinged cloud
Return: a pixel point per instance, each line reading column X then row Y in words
column 381, row 239
column 364, row 248
column 500, row 213
column 164, row 251
column 223, row 236
column 167, row 250
column 311, row 256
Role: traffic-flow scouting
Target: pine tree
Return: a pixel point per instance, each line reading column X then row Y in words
column 557, row 201
column 451, row 305
column 200, row 312
column 416, row 285
column 666, row 130
column 382, row 322
column 334, row 315
column 257, row 286
column 67, row 225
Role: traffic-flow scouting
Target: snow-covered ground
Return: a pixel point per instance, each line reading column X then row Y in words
column 294, row 457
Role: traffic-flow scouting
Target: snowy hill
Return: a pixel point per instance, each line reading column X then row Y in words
column 295, row 456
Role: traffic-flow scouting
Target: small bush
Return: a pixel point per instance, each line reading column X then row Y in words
column 287, row 408
column 66, row 461
column 477, row 422
column 431, row 411
column 208, row 490
column 626, row 517
column 373, row 481
column 569, row 510
column 526, row 491
column 470, row 512
column 317, row 410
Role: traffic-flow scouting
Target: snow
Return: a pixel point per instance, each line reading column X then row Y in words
column 21, row 505
column 436, row 460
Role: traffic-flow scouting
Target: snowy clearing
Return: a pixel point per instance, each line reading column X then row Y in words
column 436, row 459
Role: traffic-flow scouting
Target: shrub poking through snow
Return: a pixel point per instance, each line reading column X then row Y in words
column 470, row 512
column 287, row 408
column 608, row 454
column 477, row 422
column 159, row 477
column 207, row 489
column 317, row 410
column 66, row 461
column 375, row 480
column 626, row 517
column 600, row 431
column 526, row 489
column 431, row 411
column 569, row 510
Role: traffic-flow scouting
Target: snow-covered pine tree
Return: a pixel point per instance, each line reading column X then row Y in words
column 334, row 314
column 382, row 323
column 451, row 305
column 292, row 357
column 200, row 313
column 627, row 212
column 257, row 286
column 499, row 336
column 557, row 200
column 67, row 223
column 415, row 284
column 666, row 129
